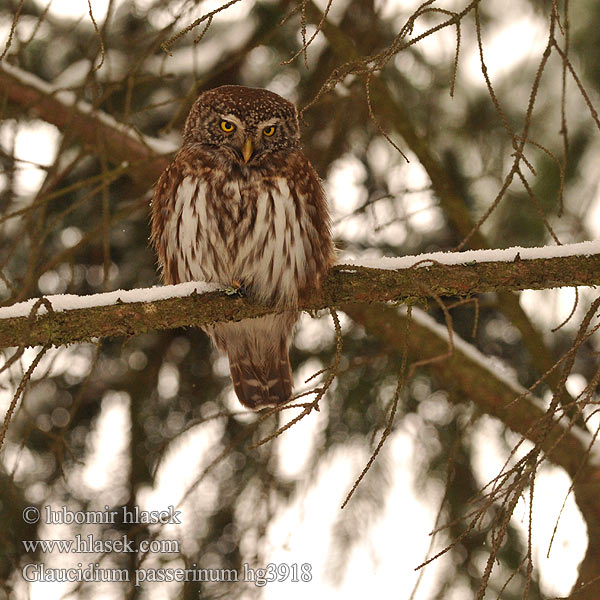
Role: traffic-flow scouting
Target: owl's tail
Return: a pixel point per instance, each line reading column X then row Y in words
column 258, row 357
column 261, row 381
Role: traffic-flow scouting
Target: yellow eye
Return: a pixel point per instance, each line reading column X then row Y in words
column 269, row 131
column 227, row 126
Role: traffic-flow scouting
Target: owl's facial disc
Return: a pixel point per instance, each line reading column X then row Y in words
column 236, row 138
column 243, row 126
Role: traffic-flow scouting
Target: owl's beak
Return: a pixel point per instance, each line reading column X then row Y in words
column 247, row 150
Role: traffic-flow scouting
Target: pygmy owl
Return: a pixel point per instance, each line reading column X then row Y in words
column 242, row 206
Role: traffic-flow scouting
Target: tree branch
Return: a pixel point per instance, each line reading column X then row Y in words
column 345, row 284
column 90, row 126
column 471, row 379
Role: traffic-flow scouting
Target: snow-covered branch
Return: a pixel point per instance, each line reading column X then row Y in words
column 65, row 319
column 468, row 374
column 92, row 127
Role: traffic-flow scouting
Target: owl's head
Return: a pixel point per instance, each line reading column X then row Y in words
column 244, row 125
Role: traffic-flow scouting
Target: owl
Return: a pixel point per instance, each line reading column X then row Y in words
column 242, row 206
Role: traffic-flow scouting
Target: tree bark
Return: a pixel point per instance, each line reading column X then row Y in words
column 345, row 284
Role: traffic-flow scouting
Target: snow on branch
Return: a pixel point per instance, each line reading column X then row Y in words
column 469, row 374
column 61, row 320
column 91, row 126
column 513, row 254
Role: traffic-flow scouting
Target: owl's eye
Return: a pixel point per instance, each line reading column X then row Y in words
column 269, row 131
column 227, row 126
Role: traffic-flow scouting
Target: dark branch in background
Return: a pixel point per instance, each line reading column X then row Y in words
column 145, row 164
column 345, row 284
column 465, row 378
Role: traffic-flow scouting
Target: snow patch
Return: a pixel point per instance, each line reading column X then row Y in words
column 471, row 256
column 62, row 302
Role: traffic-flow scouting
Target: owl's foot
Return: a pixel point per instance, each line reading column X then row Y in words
column 237, row 288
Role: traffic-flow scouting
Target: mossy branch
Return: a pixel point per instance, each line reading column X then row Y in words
column 344, row 285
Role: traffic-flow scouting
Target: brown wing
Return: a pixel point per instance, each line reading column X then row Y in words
column 162, row 208
column 307, row 192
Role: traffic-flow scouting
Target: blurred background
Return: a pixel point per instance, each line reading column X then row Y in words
column 152, row 421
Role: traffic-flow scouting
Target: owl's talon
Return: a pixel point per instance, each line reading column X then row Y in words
column 237, row 288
